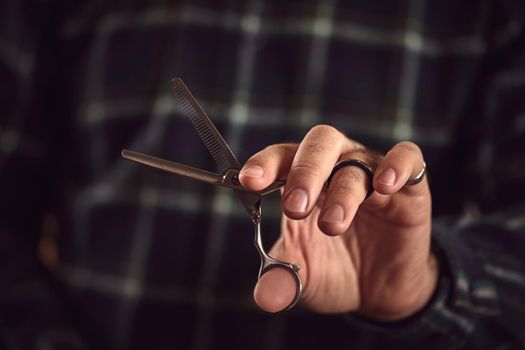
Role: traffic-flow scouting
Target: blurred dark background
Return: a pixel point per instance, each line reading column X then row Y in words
column 134, row 258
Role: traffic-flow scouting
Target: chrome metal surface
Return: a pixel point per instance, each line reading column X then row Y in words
column 268, row 263
column 173, row 168
column 419, row 177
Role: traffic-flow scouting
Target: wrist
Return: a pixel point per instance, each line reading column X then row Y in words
column 430, row 284
column 418, row 296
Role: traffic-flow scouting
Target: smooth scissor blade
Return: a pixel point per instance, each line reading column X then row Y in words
column 173, row 168
column 227, row 180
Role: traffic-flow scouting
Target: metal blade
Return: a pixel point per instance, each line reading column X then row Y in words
column 209, row 135
column 173, row 168
column 229, row 180
column 251, row 202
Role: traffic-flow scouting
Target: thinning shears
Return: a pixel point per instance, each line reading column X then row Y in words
column 228, row 176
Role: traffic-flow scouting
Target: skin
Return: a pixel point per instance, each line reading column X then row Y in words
column 367, row 256
column 275, row 290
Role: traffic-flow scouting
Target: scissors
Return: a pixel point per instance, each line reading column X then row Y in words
column 228, row 176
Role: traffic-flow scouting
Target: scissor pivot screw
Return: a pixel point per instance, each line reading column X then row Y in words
column 235, row 179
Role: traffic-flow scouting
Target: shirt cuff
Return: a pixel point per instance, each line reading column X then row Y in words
column 462, row 295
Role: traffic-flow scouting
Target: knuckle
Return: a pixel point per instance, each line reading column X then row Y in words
column 346, row 182
column 408, row 146
column 277, row 147
column 306, row 168
column 270, row 152
column 259, row 158
column 272, row 149
column 321, row 139
column 324, row 129
column 339, row 190
column 349, row 177
column 315, row 148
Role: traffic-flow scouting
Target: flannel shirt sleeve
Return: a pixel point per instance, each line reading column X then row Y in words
column 32, row 309
column 477, row 302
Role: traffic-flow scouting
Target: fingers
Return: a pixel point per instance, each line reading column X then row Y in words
column 311, row 166
column 347, row 190
column 403, row 162
column 266, row 166
column 308, row 165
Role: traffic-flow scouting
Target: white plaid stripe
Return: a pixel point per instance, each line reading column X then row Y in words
column 353, row 32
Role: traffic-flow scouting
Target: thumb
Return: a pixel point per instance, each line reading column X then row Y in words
column 277, row 287
column 275, row 290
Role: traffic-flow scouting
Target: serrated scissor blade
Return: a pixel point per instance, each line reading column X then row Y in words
column 212, row 139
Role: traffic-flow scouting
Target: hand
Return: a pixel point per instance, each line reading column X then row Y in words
column 370, row 256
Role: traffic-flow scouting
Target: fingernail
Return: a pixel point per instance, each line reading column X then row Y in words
column 388, row 177
column 334, row 214
column 296, row 201
column 253, row 171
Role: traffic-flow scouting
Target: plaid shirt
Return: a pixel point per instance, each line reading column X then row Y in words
column 97, row 253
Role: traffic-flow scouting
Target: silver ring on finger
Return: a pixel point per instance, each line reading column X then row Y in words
column 418, row 178
column 357, row 163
